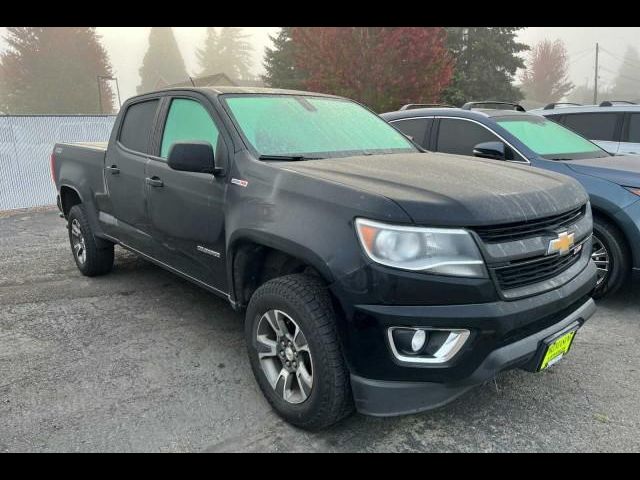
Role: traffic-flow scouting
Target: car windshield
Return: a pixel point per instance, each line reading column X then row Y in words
column 294, row 127
column 549, row 139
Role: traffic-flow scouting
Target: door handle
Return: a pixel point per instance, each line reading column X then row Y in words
column 154, row 182
column 113, row 169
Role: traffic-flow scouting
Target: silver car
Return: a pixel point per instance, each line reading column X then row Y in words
column 613, row 125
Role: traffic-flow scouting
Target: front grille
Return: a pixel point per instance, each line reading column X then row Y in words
column 526, row 272
column 517, row 231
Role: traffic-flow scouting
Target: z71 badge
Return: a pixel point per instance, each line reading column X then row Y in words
column 242, row 183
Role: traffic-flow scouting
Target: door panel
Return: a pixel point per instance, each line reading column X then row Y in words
column 187, row 209
column 611, row 147
column 124, row 173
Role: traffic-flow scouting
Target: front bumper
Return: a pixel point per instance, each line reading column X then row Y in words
column 387, row 398
column 504, row 335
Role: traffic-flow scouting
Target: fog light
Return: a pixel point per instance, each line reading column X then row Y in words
column 409, row 341
column 417, row 342
column 426, row 345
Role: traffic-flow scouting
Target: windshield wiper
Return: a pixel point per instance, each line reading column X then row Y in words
column 288, row 158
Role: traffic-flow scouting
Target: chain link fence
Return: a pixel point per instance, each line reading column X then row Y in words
column 26, row 143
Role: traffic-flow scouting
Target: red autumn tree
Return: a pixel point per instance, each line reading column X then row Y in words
column 546, row 78
column 381, row 67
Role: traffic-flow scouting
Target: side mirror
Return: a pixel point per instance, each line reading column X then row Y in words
column 493, row 150
column 192, row 157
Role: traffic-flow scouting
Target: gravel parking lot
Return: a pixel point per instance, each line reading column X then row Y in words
column 141, row 360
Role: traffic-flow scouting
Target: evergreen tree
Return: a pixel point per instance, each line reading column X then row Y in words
column 54, row 70
column 209, row 54
column 226, row 52
column 486, row 63
column 280, row 63
column 626, row 85
column 162, row 64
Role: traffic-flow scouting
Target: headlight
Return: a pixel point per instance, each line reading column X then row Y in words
column 443, row 251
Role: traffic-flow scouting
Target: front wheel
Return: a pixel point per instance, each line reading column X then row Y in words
column 295, row 353
column 611, row 256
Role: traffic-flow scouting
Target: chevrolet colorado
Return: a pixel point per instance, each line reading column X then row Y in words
column 373, row 275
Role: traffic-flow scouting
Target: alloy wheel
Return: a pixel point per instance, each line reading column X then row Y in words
column 77, row 242
column 284, row 356
column 600, row 257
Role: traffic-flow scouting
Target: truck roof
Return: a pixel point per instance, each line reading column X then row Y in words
column 221, row 90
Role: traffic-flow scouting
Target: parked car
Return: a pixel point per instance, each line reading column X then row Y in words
column 509, row 133
column 371, row 273
column 613, row 125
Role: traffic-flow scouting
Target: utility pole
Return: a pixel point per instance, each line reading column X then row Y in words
column 106, row 77
column 99, row 93
column 595, row 84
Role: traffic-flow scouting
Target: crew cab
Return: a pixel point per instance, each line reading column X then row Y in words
column 373, row 275
column 505, row 132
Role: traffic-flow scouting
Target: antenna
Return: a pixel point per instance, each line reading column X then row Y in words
column 191, row 80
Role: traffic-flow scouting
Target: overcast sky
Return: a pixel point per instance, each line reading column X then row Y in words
column 126, row 47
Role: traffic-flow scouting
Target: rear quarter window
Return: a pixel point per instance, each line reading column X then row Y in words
column 634, row 128
column 135, row 132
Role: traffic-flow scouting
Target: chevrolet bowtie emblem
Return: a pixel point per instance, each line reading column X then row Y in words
column 562, row 244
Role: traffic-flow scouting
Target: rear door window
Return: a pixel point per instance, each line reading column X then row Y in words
column 460, row 136
column 187, row 121
column 135, row 133
column 594, row 126
column 416, row 128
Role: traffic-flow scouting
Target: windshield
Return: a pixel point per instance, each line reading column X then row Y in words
column 549, row 139
column 312, row 127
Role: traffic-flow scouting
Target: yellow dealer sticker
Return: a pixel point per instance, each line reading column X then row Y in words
column 557, row 350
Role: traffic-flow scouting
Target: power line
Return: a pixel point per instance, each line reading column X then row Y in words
column 620, row 74
column 623, row 60
column 586, row 50
column 580, row 56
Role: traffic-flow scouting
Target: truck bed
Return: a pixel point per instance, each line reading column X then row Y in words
column 79, row 162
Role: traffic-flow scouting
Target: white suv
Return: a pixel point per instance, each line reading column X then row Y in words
column 613, row 125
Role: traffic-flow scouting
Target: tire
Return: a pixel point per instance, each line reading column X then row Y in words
column 304, row 306
column 90, row 259
column 607, row 236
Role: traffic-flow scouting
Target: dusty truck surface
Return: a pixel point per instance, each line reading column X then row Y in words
column 375, row 276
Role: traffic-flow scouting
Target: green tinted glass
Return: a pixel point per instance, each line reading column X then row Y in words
column 546, row 137
column 187, row 121
column 300, row 125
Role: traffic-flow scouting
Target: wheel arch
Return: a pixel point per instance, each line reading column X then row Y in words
column 255, row 257
column 69, row 196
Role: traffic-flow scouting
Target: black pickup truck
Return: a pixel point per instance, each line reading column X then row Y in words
column 374, row 275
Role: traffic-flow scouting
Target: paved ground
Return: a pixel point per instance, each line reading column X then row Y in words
column 140, row 360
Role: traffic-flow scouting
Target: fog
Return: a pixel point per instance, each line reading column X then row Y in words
column 581, row 44
column 126, row 47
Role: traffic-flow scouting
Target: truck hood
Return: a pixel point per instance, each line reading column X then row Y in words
column 621, row 169
column 447, row 190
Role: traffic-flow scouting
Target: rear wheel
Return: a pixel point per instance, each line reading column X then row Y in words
column 91, row 259
column 295, row 353
column 611, row 256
